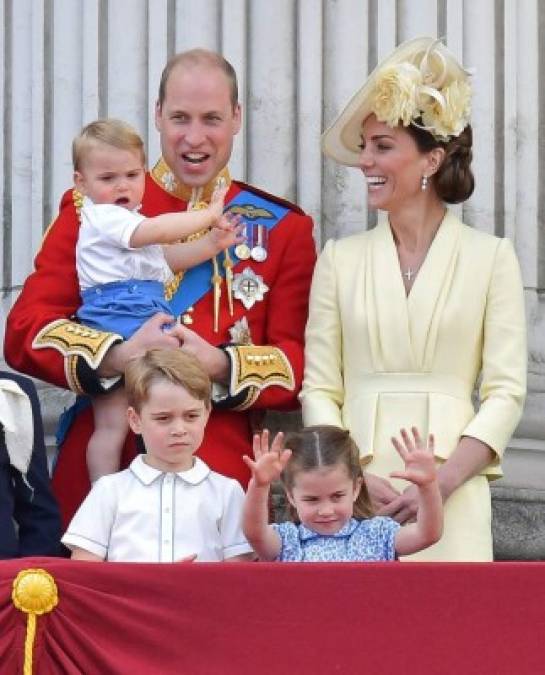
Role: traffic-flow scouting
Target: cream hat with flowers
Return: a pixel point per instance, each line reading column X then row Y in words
column 420, row 83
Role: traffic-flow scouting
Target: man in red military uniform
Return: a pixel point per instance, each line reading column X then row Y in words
column 242, row 314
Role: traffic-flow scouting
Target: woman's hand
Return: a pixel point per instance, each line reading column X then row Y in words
column 404, row 508
column 269, row 462
column 381, row 491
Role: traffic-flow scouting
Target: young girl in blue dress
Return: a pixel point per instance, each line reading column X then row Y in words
column 332, row 515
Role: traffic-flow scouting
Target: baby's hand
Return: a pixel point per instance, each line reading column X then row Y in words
column 217, row 202
column 231, row 235
column 269, row 462
column 187, row 559
column 227, row 223
column 419, row 459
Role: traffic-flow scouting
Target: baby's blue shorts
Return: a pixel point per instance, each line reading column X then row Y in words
column 122, row 306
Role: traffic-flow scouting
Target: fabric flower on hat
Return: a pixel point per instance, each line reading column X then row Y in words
column 396, row 94
column 449, row 117
column 416, row 93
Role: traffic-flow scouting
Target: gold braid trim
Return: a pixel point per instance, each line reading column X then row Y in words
column 165, row 179
column 251, row 397
column 258, row 366
column 72, row 339
column 77, row 198
column 71, row 374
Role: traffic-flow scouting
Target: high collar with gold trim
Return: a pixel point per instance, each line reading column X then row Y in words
column 165, row 178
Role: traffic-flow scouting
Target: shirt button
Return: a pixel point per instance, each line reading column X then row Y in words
column 167, row 509
column 166, row 542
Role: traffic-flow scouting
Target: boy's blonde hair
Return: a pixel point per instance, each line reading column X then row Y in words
column 115, row 133
column 172, row 365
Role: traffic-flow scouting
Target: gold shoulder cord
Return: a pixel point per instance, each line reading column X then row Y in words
column 196, row 203
column 197, row 198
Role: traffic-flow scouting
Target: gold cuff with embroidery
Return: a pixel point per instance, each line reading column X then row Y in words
column 252, row 394
column 72, row 339
column 259, row 367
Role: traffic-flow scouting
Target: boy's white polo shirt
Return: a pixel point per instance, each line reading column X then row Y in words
column 144, row 515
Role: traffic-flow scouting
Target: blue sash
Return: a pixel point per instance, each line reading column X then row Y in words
column 197, row 280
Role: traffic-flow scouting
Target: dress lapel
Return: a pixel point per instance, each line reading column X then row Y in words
column 388, row 317
column 403, row 330
column 430, row 290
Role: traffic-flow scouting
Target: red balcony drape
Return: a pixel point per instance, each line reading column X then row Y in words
column 208, row 619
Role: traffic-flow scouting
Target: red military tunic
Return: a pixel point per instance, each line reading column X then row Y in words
column 38, row 338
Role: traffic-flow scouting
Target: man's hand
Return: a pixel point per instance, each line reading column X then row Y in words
column 214, row 361
column 269, row 462
column 157, row 332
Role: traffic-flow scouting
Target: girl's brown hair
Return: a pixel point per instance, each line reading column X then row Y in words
column 325, row 446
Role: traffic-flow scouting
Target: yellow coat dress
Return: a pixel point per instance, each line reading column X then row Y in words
column 378, row 360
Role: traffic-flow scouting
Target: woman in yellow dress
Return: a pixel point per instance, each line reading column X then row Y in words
column 409, row 318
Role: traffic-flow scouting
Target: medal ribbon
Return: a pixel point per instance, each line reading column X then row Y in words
column 196, row 282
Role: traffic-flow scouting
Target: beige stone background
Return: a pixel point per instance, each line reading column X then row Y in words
column 65, row 62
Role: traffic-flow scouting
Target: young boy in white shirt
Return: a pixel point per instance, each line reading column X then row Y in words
column 168, row 505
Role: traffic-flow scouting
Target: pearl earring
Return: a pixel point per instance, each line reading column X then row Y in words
column 424, row 183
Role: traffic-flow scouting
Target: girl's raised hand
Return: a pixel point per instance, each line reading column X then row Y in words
column 419, row 459
column 268, row 462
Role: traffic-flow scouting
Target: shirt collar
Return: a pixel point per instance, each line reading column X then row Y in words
column 305, row 533
column 164, row 177
column 146, row 474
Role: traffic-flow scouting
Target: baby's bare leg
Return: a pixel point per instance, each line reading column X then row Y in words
column 106, row 443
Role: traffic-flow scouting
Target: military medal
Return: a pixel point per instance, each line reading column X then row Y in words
column 259, row 251
column 242, row 251
column 249, row 287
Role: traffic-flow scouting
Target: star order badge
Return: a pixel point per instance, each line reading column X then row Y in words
column 240, row 332
column 249, row 287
